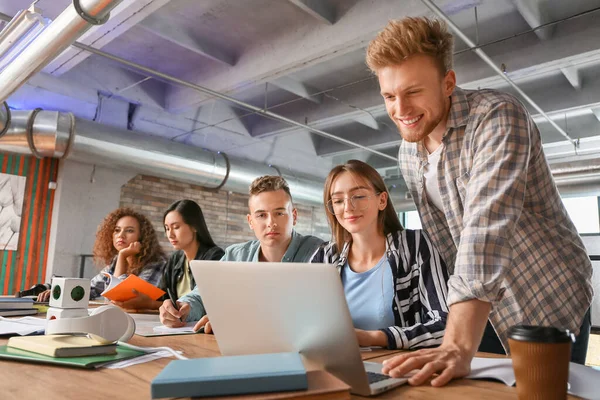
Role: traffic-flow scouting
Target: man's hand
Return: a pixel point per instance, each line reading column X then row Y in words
column 141, row 301
column 448, row 361
column 466, row 322
column 204, row 322
column 371, row 338
column 171, row 317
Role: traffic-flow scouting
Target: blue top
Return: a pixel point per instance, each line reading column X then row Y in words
column 300, row 249
column 370, row 295
column 420, row 286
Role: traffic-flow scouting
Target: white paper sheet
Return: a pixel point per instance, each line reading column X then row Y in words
column 188, row 328
column 583, row 381
column 139, row 360
column 496, row 368
column 146, row 324
column 22, row 326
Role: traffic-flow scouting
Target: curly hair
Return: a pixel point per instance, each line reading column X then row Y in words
column 105, row 252
column 401, row 39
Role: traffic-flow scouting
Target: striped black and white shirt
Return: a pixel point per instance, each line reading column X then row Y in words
column 420, row 281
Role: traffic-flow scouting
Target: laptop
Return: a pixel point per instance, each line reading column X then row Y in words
column 257, row 308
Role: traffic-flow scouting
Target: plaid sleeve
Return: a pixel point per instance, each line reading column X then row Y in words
column 494, row 193
column 98, row 283
column 153, row 272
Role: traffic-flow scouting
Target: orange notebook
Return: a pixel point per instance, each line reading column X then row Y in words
column 122, row 290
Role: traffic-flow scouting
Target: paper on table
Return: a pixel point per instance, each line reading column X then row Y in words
column 139, row 360
column 145, row 324
column 494, row 368
column 22, row 326
column 188, row 328
column 582, row 380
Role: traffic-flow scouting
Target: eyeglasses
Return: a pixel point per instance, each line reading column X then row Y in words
column 359, row 202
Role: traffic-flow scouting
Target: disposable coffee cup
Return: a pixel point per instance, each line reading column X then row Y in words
column 540, row 358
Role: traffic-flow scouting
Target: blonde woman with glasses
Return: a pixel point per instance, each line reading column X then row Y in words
column 394, row 280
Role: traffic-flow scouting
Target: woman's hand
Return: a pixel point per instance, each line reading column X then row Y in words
column 131, row 250
column 44, row 296
column 171, row 317
column 140, row 302
column 371, row 338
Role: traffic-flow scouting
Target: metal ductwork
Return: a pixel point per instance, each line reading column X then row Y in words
column 74, row 21
column 61, row 135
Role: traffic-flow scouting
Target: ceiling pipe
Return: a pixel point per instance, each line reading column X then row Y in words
column 264, row 112
column 493, row 65
column 75, row 20
column 61, row 135
column 4, row 118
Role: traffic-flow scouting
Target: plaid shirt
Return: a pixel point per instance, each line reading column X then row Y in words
column 504, row 232
column 420, row 282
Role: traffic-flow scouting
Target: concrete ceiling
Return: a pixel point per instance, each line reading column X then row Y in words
column 304, row 60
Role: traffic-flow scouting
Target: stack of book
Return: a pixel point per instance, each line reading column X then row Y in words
column 65, row 350
column 15, row 306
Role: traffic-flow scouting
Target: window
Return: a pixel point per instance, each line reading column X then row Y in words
column 584, row 213
column 412, row 220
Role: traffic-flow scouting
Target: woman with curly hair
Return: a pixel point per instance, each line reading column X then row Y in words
column 126, row 243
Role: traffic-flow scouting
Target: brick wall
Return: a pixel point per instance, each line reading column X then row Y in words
column 225, row 212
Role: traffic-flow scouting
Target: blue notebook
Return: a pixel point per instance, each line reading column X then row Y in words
column 217, row 376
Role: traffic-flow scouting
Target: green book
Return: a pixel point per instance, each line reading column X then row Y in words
column 9, row 353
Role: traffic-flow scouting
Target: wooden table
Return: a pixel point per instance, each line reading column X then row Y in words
column 36, row 381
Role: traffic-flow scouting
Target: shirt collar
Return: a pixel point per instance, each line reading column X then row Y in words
column 459, row 109
column 291, row 251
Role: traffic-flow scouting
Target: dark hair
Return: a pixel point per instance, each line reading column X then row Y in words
column 104, row 250
column 192, row 215
column 387, row 219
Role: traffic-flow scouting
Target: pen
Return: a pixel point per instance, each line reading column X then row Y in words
column 173, row 301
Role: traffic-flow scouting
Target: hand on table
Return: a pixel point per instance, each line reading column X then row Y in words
column 371, row 338
column 447, row 361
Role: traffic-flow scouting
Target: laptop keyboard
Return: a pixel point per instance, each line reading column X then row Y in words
column 374, row 377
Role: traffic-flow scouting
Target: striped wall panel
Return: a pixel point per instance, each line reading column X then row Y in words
column 26, row 266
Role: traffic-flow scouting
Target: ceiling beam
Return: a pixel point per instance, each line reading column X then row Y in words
column 573, row 76
column 171, row 31
column 535, row 14
column 298, row 88
column 596, row 111
column 122, row 18
column 321, row 10
column 368, row 120
column 272, row 59
column 221, row 114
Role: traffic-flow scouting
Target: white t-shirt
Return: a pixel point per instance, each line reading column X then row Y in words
column 430, row 176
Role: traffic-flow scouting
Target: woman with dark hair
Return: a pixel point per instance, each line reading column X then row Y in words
column 126, row 243
column 394, row 280
column 186, row 229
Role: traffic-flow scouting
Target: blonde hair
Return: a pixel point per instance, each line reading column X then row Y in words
column 387, row 218
column 403, row 38
column 269, row 183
